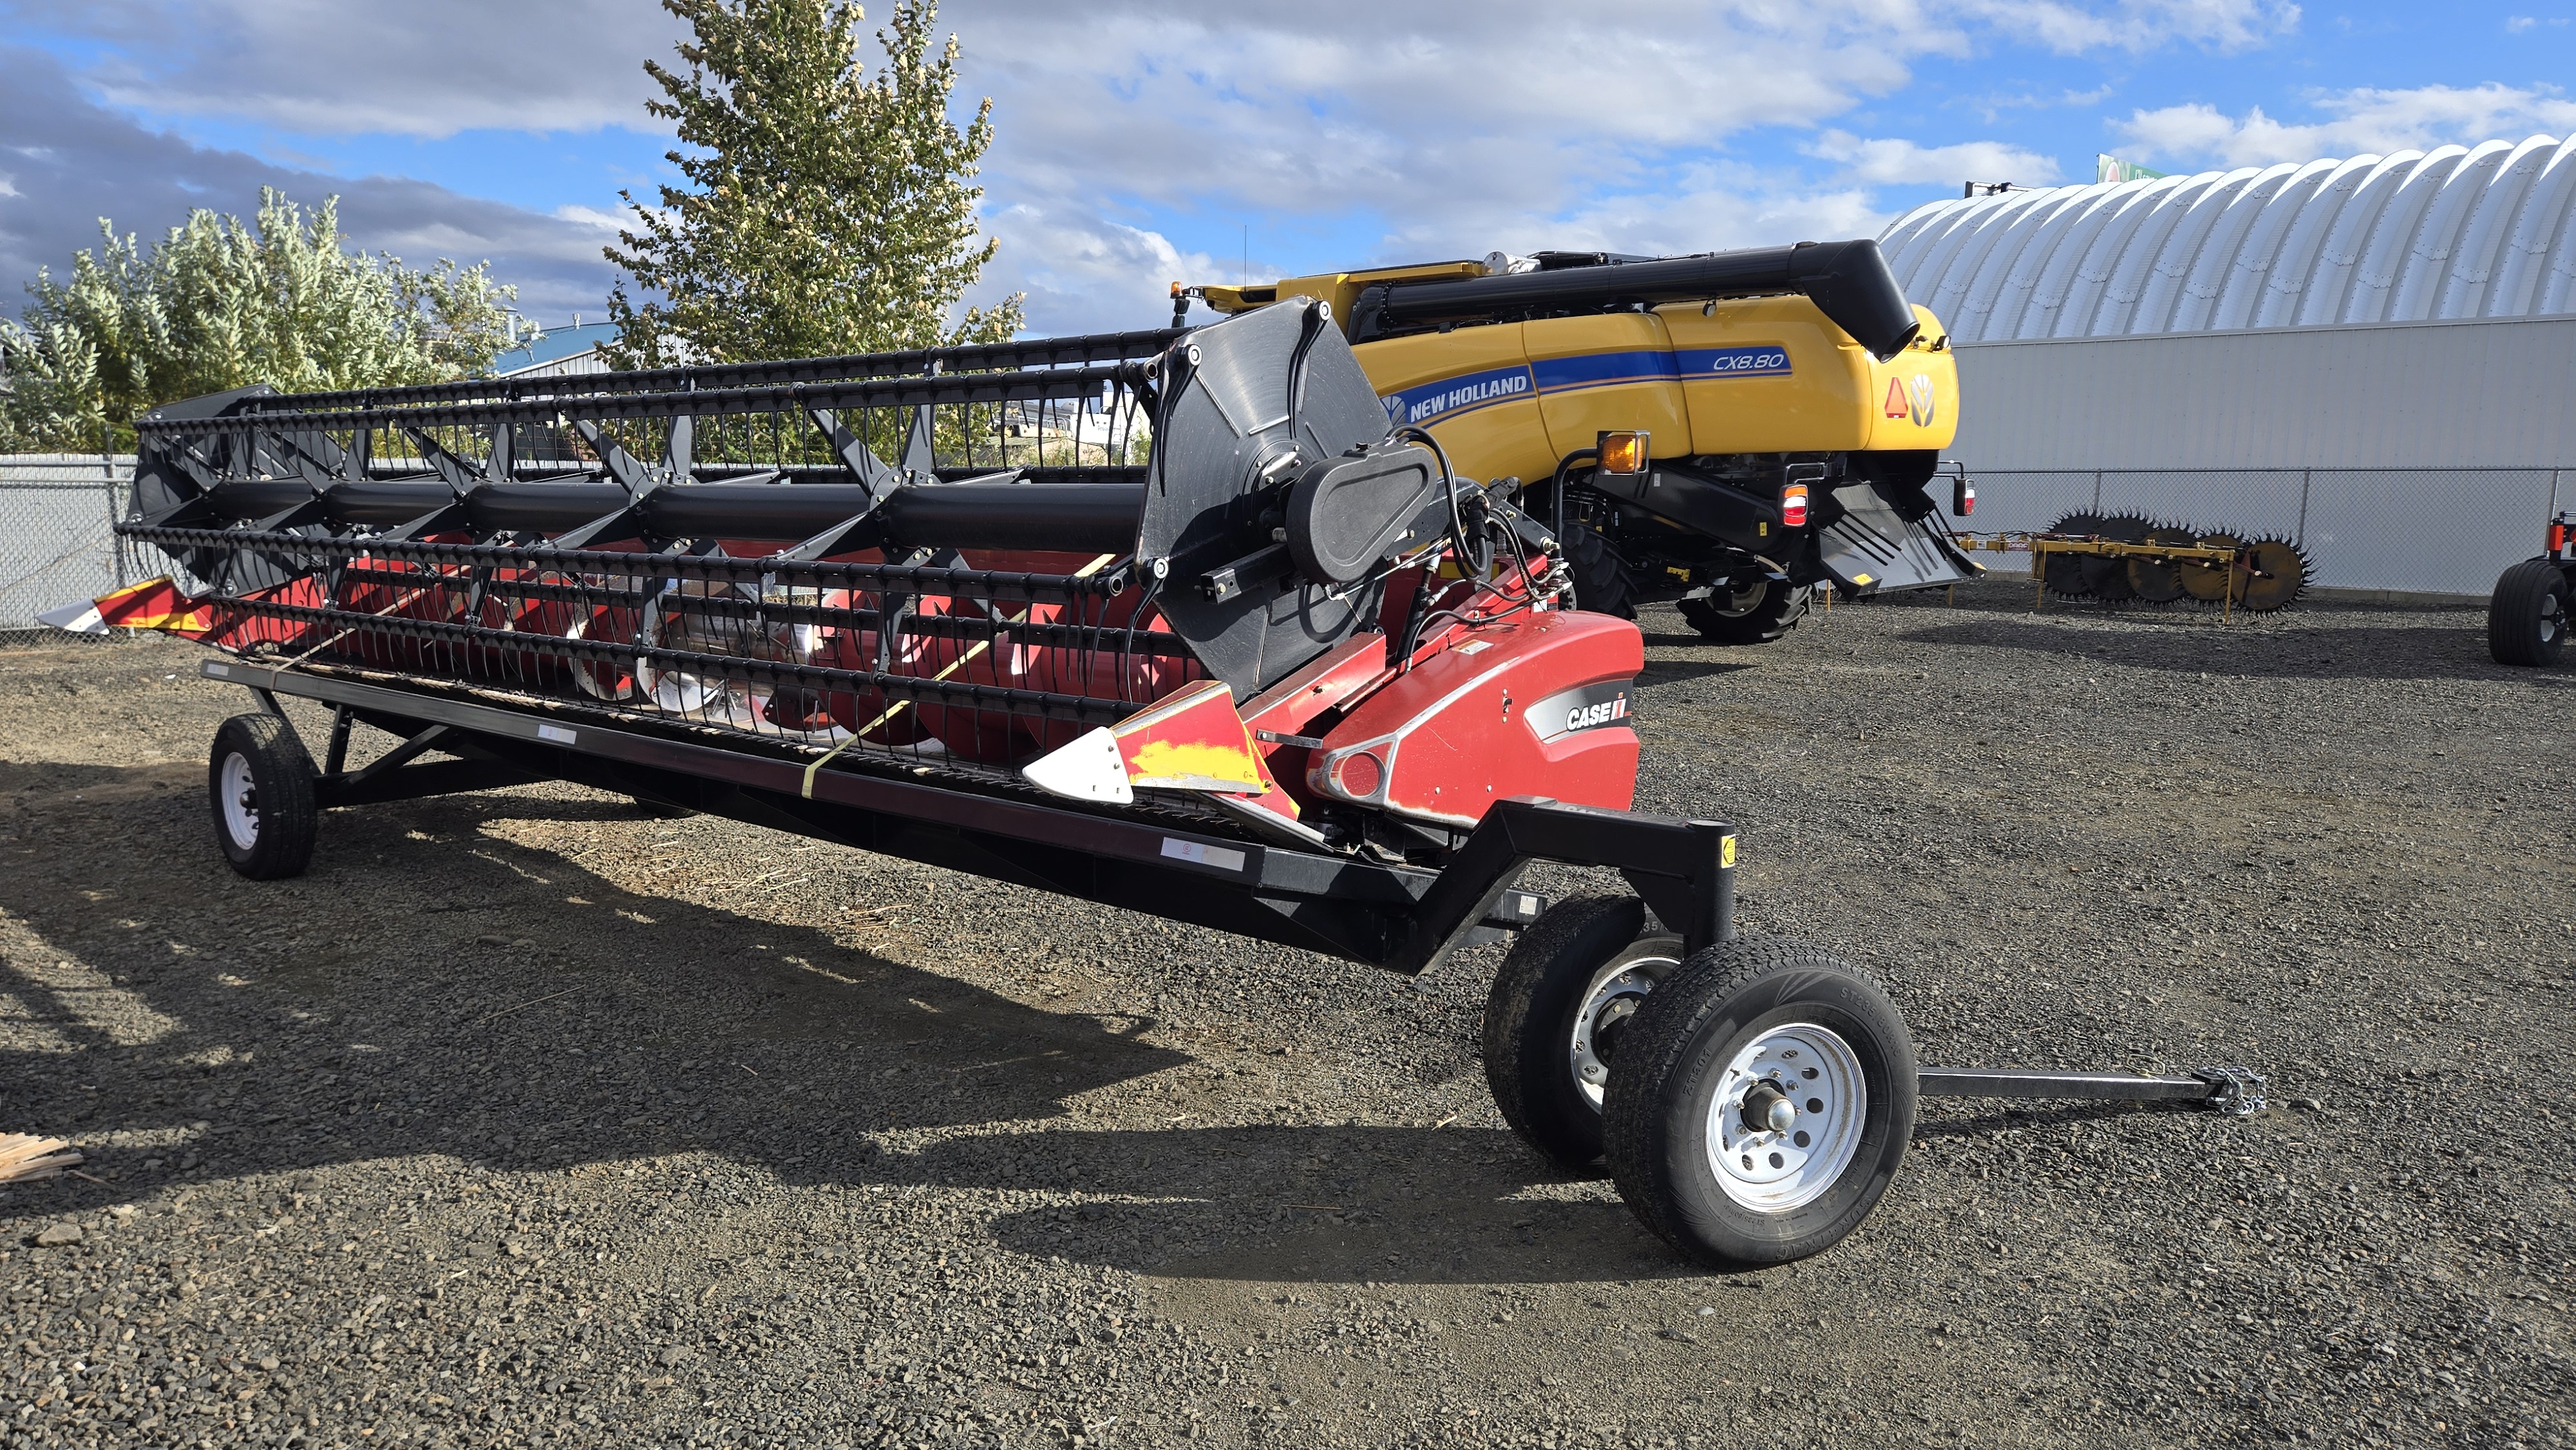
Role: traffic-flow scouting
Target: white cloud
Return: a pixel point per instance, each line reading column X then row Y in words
column 1891, row 162
column 1429, row 129
column 325, row 68
column 2359, row 122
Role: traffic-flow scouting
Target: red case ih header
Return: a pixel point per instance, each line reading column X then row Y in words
column 1165, row 620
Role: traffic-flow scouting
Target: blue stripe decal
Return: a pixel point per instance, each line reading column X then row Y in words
column 1767, row 361
column 1559, row 374
column 1452, row 396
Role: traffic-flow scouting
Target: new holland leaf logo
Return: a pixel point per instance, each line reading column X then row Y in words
column 1912, row 398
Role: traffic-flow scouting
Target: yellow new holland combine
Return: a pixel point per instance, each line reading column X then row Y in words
column 1739, row 428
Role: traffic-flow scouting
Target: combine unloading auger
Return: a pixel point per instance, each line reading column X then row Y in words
column 1171, row 621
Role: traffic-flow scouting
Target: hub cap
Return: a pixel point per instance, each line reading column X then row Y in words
column 240, row 800
column 1608, row 1003
column 1786, row 1120
column 2553, row 617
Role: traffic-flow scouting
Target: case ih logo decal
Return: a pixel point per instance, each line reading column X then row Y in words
column 1912, row 398
column 1767, row 361
column 1456, row 395
column 1588, row 708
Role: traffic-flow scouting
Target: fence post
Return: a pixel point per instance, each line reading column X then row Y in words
column 2097, row 492
column 2301, row 537
column 115, row 545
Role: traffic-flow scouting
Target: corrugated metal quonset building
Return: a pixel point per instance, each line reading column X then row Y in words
column 2373, row 356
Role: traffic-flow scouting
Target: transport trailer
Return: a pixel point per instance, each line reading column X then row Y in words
column 1168, row 621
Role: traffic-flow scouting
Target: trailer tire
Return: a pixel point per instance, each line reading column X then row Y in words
column 1602, row 583
column 2527, row 615
column 1748, row 616
column 260, row 783
column 1693, row 1065
column 1589, row 958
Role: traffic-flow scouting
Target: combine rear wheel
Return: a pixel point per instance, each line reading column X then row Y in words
column 2527, row 615
column 1764, row 1097
column 1559, row 1010
column 1602, row 583
column 261, row 786
column 1759, row 614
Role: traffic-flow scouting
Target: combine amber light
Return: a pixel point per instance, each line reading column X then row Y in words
column 1793, row 506
column 2557, row 537
column 1623, row 452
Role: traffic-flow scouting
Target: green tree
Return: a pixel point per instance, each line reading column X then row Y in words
column 828, row 211
column 217, row 304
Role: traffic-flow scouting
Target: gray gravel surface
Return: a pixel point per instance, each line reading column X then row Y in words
column 525, row 1119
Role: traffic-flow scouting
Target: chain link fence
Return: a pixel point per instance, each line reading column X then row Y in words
column 57, row 543
column 2409, row 530
column 2404, row 530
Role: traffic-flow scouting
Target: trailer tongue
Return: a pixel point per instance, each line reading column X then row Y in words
column 1164, row 620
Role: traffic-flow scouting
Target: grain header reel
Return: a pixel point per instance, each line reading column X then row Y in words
column 1171, row 621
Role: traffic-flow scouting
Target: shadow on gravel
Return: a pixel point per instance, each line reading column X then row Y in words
column 431, row 988
column 1692, row 640
column 1667, row 672
column 1299, row 1204
column 2325, row 654
column 1984, row 1123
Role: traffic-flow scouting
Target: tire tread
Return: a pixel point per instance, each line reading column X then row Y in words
column 2511, row 640
column 289, row 809
column 1631, row 1113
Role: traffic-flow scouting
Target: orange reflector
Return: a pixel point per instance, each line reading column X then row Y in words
column 1623, row 452
column 2557, row 537
column 1793, row 506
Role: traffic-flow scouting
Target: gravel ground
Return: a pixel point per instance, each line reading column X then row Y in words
column 525, row 1119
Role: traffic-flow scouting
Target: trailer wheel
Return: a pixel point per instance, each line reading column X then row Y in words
column 1560, row 1008
column 1602, row 583
column 1755, row 615
column 2527, row 615
column 260, row 783
column 1763, row 1101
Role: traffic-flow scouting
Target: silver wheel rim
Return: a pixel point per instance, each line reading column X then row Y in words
column 1737, row 603
column 2551, row 614
column 239, row 796
column 1610, row 999
column 1776, row 1169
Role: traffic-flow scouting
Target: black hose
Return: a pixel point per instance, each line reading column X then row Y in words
column 1449, row 486
column 1565, row 466
column 1317, row 315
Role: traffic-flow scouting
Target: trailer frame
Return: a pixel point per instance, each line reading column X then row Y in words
column 1402, row 918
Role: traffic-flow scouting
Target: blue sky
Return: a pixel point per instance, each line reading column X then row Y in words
column 1141, row 141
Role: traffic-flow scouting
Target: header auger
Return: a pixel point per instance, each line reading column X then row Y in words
column 1172, row 621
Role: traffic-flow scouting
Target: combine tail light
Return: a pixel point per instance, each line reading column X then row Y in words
column 1793, row 506
column 1963, row 498
column 1623, row 452
column 2557, row 537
